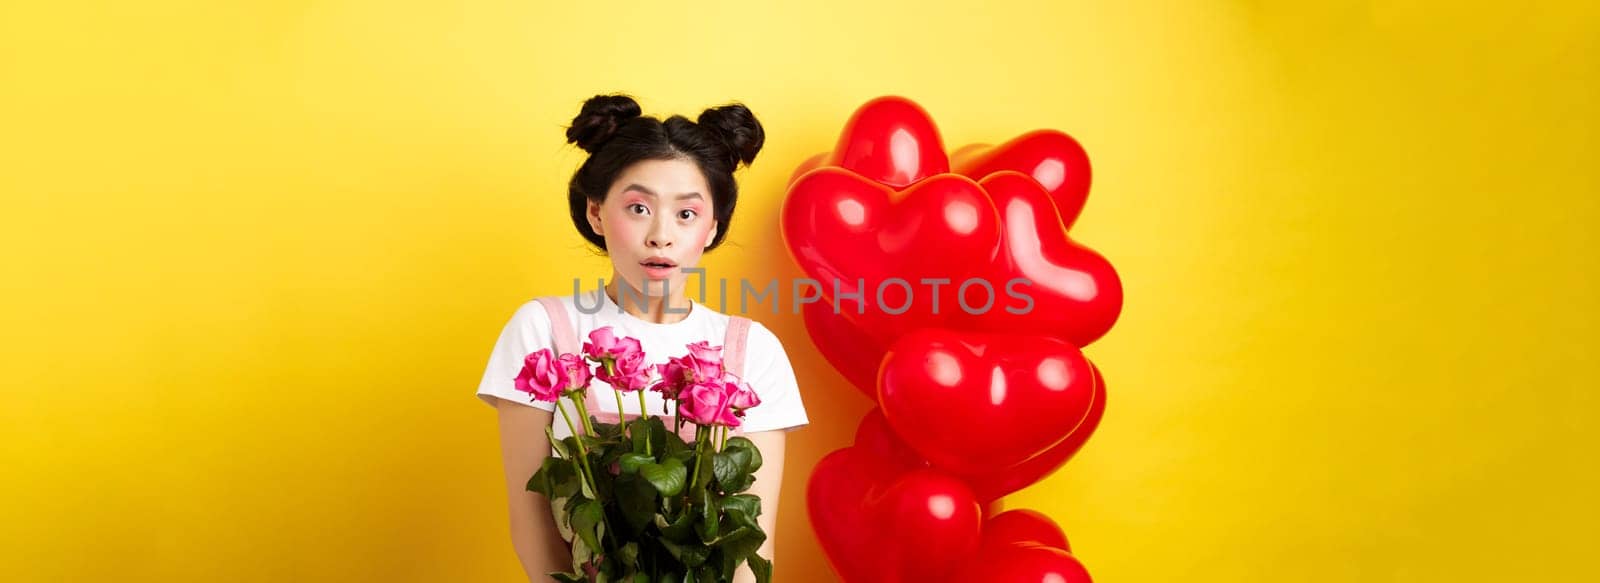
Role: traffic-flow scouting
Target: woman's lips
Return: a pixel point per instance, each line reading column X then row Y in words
column 659, row 271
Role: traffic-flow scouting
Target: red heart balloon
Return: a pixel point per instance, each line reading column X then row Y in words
column 992, row 485
column 972, row 403
column 846, row 489
column 1051, row 158
column 872, row 247
column 892, row 141
column 931, row 522
column 1076, row 293
column 1023, row 526
column 836, row 495
column 1022, row 563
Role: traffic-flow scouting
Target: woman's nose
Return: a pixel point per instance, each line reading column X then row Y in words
column 658, row 236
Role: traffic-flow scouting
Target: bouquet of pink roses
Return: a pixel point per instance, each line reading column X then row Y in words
column 643, row 504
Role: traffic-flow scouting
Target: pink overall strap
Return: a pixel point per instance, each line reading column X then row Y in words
column 561, row 326
column 733, row 350
column 733, row 345
column 566, row 334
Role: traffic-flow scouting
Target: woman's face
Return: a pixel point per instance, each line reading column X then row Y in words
column 657, row 221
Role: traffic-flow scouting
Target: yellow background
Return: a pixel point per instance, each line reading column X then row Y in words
column 255, row 256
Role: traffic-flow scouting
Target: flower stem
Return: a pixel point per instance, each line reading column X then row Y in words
column 584, row 468
column 699, row 445
column 621, row 417
column 583, row 411
column 583, row 452
column 643, row 414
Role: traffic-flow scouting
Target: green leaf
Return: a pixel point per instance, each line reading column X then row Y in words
column 707, row 508
column 743, row 509
column 631, row 462
column 685, row 457
column 636, row 499
column 658, row 432
column 744, row 443
column 541, row 481
column 668, row 477
column 728, row 466
column 730, row 536
column 691, row 555
column 585, row 518
column 628, row 554
column 761, row 567
column 736, row 548
column 556, row 478
column 593, row 443
column 638, row 430
column 675, row 444
column 558, row 445
column 680, row 530
column 749, row 503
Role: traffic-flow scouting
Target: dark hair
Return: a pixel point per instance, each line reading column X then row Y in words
column 611, row 129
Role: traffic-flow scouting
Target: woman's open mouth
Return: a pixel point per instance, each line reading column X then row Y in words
column 659, row 267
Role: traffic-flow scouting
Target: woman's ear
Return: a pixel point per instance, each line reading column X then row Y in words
column 712, row 236
column 593, row 215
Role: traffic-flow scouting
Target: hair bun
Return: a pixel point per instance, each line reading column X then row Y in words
column 599, row 119
column 738, row 129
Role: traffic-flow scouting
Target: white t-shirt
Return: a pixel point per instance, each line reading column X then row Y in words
column 766, row 365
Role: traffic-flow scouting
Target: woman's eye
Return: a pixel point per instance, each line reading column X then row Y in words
column 637, row 207
column 687, row 215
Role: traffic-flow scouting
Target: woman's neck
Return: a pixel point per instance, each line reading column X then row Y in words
column 650, row 308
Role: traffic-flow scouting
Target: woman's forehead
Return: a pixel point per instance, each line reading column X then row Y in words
column 666, row 180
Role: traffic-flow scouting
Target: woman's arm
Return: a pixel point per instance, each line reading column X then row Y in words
column 769, row 480
column 523, row 448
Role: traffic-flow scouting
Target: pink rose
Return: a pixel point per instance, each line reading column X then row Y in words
column 604, row 345
column 740, row 395
column 705, row 360
column 704, row 352
column 675, row 375
column 630, row 373
column 704, row 369
column 574, row 372
column 707, row 403
column 540, row 376
column 698, row 403
column 620, row 360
